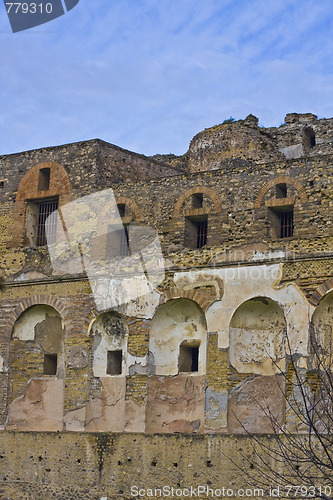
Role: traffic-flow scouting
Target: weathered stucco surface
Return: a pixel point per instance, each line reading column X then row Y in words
column 200, row 357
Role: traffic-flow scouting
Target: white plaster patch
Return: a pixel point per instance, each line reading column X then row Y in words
column 176, row 321
column 278, row 254
column 136, row 360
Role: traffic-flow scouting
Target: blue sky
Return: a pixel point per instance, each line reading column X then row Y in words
column 148, row 75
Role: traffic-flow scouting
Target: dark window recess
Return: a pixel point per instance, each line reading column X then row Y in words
column 196, row 231
column 44, row 179
column 309, row 139
column 46, row 208
column 124, row 248
column 197, row 200
column 121, row 209
column 114, row 362
column 281, row 190
column 1, row 184
column 50, row 364
column 188, row 358
column 286, row 224
column 202, row 233
column 117, row 242
column 281, row 220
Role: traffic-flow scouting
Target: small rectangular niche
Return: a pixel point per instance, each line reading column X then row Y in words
column 44, row 179
column 2, row 184
column 50, row 364
column 188, row 358
column 281, row 190
column 197, row 200
column 114, row 362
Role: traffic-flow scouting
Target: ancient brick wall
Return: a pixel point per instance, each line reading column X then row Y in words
column 192, row 357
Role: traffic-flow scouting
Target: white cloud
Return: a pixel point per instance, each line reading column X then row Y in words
column 148, row 75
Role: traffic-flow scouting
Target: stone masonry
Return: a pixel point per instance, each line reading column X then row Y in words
column 244, row 220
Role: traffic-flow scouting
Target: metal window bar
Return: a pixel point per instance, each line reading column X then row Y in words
column 286, row 224
column 46, row 208
column 201, row 233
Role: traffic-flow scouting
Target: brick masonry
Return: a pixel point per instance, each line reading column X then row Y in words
column 239, row 171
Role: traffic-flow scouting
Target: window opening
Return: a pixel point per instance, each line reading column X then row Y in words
column 201, row 233
column 114, row 362
column 44, row 179
column 196, row 231
column 121, row 209
column 309, row 139
column 118, row 242
column 50, row 364
column 188, row 358
column 46, row 208
column 281, row 190
column 124, row 248
column 282, row 221
column 286, row 224
column 197, row 200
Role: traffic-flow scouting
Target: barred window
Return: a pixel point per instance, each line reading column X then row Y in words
column 281, row 221
column 46, row 208
column 286, row 224
column 118, row 242
column 201, row 233
column 196, row 231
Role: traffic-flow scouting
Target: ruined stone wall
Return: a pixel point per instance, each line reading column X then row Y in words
column 202, row 355
column 302, row 135
column 237, row 201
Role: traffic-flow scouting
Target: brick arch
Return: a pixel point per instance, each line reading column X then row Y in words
column 193, row 294
column 321, row 291
column 197, row 189
column 28, row 190
column 133, row 206
column 59, row 183
column 108, row 214
column 281, row 179
column 38, row 300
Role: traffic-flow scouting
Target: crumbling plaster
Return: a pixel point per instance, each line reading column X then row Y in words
column 244, row 283
column 174, row 322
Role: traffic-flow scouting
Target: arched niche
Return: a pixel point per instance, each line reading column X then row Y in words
column 36, row 371
column 110, row 335
column 178, row 338
column 39, row 334
column 257, row 334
